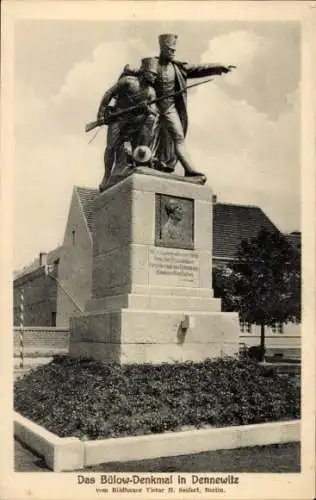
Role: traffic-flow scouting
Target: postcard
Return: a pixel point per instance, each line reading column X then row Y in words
column 158, row 249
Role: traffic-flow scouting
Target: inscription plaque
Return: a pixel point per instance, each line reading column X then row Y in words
column 174, row 222
column 173, row 267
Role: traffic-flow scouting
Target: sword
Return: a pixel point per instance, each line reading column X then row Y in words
column 116, row 114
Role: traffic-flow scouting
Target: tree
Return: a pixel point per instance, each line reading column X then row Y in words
column 223, row 287
column 264, row 284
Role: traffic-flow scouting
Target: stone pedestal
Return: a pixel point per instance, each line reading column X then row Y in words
column 152, row 298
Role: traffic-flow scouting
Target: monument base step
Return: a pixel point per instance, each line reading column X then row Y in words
column 155, row 302
column 148, row 336
column 152, row 353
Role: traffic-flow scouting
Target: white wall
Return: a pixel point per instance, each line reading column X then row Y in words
column 291, row 338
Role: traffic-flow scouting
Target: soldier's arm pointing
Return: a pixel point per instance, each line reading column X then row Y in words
column 209, row 69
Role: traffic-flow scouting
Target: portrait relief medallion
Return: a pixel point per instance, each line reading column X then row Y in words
column 174, row 222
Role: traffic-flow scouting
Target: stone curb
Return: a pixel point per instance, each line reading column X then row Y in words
column 60, row 454
column 63, row 454
column 187, row 442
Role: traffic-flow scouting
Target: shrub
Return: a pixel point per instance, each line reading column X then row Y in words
column 256, row 352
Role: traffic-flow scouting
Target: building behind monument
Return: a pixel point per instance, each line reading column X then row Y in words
column 47, row 304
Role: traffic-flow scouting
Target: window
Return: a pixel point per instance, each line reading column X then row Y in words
column 73, row 237
column 277, row 328
column 53, row 318
column 246, row 327
column 56, row 267
column 280, row 328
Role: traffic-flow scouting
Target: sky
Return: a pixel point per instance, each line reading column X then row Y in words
column 244, row 128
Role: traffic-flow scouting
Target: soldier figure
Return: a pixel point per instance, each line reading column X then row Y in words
column 133, row 128
column 173, row 122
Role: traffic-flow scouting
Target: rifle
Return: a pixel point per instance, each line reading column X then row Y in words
column 111, row 115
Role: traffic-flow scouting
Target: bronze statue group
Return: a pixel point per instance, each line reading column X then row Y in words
column 148, row 122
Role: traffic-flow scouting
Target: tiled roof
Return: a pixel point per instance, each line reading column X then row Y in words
column 50, row 258
column 233, row 223
column 86, row 196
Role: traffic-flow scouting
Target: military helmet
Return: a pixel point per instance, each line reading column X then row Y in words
column 149, row 64
column 168, row 39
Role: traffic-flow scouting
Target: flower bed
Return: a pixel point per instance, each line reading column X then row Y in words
column 92, row 400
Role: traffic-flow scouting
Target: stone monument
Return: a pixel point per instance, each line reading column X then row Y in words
column 152, row 298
